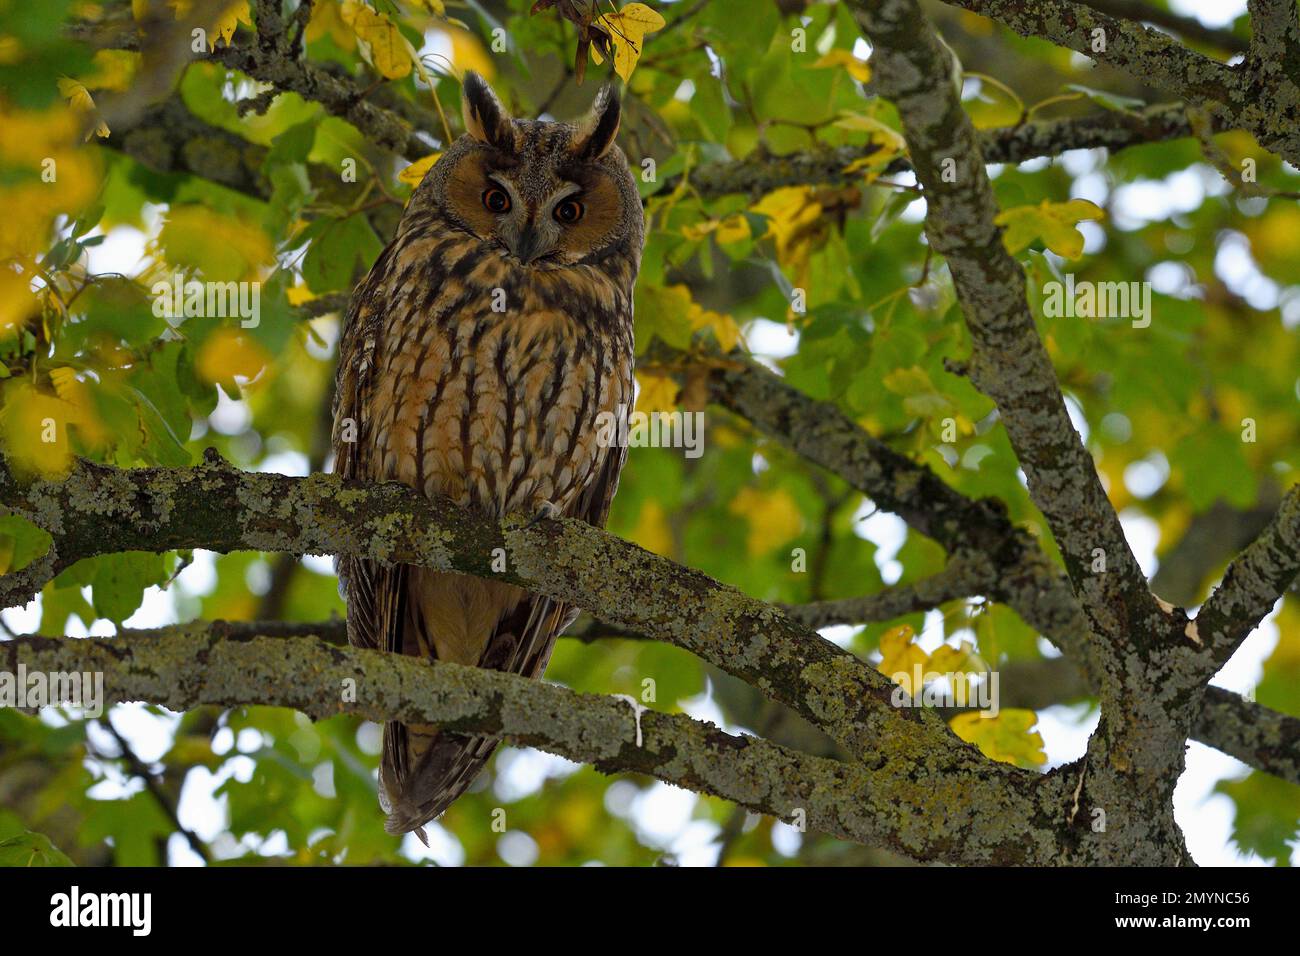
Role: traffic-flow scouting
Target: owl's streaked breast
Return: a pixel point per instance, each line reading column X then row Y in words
column 497, row 375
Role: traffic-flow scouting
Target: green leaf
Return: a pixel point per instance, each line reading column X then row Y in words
column 30, row 849
column 1213, row 466
column 118, row 583
column 1110, row 101
column 21, row 543
column 1268, row 815
column 339, row 249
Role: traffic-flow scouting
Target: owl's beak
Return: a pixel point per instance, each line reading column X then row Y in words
column 529, row 244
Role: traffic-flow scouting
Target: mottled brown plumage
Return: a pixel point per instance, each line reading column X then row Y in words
column 474, row 363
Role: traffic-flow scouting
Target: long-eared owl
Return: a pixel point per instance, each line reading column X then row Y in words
column 490, row 338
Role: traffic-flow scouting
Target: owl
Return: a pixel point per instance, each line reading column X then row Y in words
column 477, row 358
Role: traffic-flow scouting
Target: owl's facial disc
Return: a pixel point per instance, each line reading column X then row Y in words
column 541, row 233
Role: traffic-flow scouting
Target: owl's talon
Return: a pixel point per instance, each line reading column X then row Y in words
column 547, row 511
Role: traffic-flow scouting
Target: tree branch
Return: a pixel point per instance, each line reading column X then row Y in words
column 1189, row 27
column 961, row 578
column 1261, row 95
column 98, row 509
column 1254, row 582
column 1009, row 362
column 1255, row 735
column 986, row 815
column 1132, row 47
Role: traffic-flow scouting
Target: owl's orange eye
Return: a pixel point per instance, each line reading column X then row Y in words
column 568, row 212
column 496, row 199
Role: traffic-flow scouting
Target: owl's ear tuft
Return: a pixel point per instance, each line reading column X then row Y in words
column 485, row 118
column 597, row 131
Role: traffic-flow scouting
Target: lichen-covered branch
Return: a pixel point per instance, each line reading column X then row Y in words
column 1024, row 577
column 1022, row 574
column 1255, row 581
column 1126, row 44
column 99, row 509
column 1261, row 95
column 1186, row 26
column 1255, row 735
column 1009, row 363
column 962, row 578
column 984, row 816
column 269, row 59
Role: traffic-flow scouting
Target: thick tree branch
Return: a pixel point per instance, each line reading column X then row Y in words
column 98, row 509
column 1255, row 735
column 1189, row 27
column 1010, row 363
column 989, row 815
column 1262, row 738
column 1275, row 36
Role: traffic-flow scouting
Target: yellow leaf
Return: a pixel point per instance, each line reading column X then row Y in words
column 960, row 663
column 413, row 175
column 58, row 178
column 34, row 427
column 724, row 327
column 957, row 660
column 299, row 295
column 1006, row 737
column 79, row 98
column 655, row 393
column 114, row 70
column 901, row 659
column 229, row 353
column 18, row 304
column 1053, row 222
column 773, row 518
column 860, row 70
column 652, row 531
column 327, row 20
column 468, row 53
column 888, row 138
column 228, row 21
column 732, row 228
column 81, row 408
column 627, row 29
column 383, row 44
column 793, row 214
column 436, row 7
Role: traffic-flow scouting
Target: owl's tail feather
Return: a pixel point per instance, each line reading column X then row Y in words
column 424, row 770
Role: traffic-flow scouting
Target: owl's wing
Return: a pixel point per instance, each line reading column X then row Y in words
column 374, row 593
